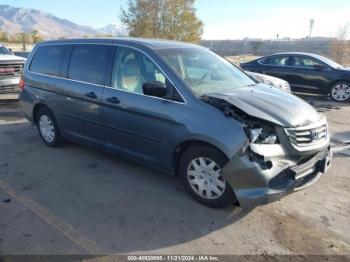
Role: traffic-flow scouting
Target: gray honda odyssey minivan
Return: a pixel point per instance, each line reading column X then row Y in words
column 181, row 109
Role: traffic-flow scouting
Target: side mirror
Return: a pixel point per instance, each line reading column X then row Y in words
column 10, row 50
column 155, row 88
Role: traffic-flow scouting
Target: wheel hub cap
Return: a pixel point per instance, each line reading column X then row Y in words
column 204, row 176
column 47, row 129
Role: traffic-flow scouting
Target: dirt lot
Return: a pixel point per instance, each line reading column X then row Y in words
column 18, row 47
column 75, row 200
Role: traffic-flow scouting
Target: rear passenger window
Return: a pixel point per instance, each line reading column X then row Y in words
column 275, row 60
column 47, row 60
column 88, row 63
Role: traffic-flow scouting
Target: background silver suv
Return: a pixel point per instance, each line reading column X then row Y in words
column 178, row 108
column 10, row 70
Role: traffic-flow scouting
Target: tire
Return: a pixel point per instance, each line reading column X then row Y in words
column 212, row 160
column 48, row 128
column 340, row 91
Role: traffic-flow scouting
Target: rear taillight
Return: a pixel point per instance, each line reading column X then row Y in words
column 21, row 83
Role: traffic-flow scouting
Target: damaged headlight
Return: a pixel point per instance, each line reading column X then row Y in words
column 261, row 134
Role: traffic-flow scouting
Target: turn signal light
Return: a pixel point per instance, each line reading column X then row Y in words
column 21, row 83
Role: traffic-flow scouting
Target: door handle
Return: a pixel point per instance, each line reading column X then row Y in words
column 113, row 100
column 91, row 95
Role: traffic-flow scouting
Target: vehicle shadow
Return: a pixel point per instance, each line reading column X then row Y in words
column 119, row 205
column 341, row 143
column 342, row 137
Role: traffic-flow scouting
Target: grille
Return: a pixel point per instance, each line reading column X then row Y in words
column 302, row 182
column 286, row 179
column 11, row 69
column 282, row 180
column 303, row 137
column 9, row 89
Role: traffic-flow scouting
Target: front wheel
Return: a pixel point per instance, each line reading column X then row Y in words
column 340, row 91
column 200, row 170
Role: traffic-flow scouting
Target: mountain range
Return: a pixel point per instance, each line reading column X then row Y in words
column 16, row 20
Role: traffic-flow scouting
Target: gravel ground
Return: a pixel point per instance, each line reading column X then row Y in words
column 75, row 200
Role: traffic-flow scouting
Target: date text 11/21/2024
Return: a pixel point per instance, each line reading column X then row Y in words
column 173, row 258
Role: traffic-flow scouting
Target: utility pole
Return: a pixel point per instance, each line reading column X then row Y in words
column 312, row 23
column 246, row 40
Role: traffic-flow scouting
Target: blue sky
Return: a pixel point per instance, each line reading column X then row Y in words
column 223, row 19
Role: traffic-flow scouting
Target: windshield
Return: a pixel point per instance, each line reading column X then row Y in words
column 205, row 72
column 4, row 51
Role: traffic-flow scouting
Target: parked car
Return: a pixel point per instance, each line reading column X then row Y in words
column 271, row 81
column 306, row 72
column 181, row 109
column 23, row 54
column 10, row 70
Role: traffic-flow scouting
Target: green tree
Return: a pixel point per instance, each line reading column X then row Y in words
column 4, row 36
column 36, row 37
column 24, row 38
column 164, row 19
column 21, row 38
column 103, row 35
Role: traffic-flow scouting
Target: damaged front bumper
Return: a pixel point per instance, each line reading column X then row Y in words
column 256, row 182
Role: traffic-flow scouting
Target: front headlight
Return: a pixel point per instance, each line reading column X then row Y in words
column 262, row 135
column 270, row 139
column 286, row 87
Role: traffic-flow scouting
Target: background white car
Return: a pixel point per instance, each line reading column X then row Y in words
column 271, row 81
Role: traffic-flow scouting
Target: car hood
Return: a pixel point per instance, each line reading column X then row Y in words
column 262, row 76
column 11, row 58
column 271, row 104
column 271, row 81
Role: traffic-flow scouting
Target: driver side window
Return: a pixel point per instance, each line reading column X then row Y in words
column 132, row 69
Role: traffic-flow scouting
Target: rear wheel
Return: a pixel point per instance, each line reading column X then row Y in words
column 340, row 91
column 48, row 128
column 200, row 169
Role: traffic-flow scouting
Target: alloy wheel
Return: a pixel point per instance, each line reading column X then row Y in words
column 341, row 92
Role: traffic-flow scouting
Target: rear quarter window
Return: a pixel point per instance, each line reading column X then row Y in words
column 88, row 63
column 264, row 61
column 275, row 60
column 47, row 60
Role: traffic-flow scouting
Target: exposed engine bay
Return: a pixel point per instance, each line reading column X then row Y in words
column 258, row 131
column 264, row 147
column 270, row 155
